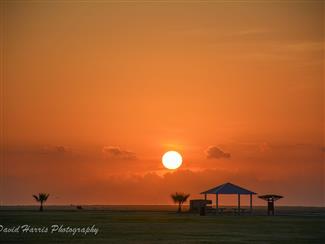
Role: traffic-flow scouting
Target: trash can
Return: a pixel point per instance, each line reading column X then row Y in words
column 202, row 211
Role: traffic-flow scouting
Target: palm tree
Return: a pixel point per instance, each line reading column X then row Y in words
column 179, row 198
column 42, row 197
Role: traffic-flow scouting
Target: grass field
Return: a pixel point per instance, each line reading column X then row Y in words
column 159, row 224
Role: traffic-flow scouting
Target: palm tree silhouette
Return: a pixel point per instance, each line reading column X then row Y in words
column 42, row 197
column 179, row 198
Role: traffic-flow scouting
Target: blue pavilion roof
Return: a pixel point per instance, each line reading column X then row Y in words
column 228, row 188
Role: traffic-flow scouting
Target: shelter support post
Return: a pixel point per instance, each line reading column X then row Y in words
column 205, row 196
column 217, row 204
column 251, row 203
column 238, row 204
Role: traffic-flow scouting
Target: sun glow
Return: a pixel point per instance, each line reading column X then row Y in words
column 172, row 160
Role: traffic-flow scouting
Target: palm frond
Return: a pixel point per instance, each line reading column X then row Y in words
column 179, row 197
column 185, row 197
column 36, row 198
column 42, row 197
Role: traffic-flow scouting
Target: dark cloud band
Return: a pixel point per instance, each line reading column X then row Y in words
column 214, row 152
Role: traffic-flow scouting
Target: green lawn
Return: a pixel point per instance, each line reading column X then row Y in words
column 139, row 226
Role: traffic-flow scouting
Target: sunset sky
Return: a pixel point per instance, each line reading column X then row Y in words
column 93, row 94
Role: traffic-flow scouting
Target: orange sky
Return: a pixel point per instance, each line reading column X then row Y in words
column 79, row 79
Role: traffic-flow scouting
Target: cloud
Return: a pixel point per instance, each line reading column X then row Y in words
column 54, row 150
column 116, row 152
column 251, row 32
column 214, row 152
column 306, row 46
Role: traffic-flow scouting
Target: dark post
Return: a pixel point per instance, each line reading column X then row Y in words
column 238, row 204
column 251, row 203
column 217, row 204
column 270, row 198
column 270, row 206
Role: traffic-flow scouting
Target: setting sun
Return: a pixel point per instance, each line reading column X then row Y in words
column 172, row 160
column 208, row 109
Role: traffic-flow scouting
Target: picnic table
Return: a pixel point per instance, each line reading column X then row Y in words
column 211, row 210
column 220, row 210
column 241, row 210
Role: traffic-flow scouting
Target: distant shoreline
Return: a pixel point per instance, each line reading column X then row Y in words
column 153, row 205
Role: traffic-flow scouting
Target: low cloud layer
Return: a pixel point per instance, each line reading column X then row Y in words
column 116, row 152
column 214, row 152
column 291, row 169
column 54, row 150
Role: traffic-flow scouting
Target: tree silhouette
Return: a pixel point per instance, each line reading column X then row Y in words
column 42, row 197
column 179, row 198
